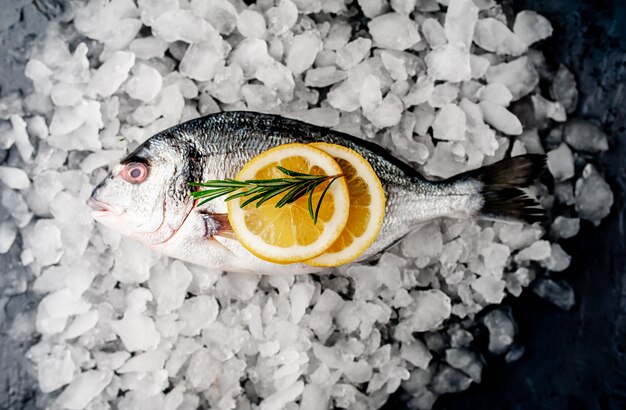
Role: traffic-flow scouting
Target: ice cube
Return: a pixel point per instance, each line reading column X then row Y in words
column 197, row 313
column 65, row 94
column 460, row 23
column 519, row 76
column 8, row 233
column 14, row 178
column 394, row 30
column 83, row 389
column 150, row 10
column 302, row 53
column 449, row 62
column 323, row 76
column 564, row 89
column 144, row 84
column 500, row 118
column 466, row 361
column 250, row 54
column 416, row 353
column 583, row 135
column 449, row 380
column 490, row 288
column 558, row 261
column 202, row 60
column 55, row 370
column 22, row 140
column 496, row 93
column 278, row 78
column 300, row 297
column 169, row 286
column 593, row 196
column 148, row 47
column 353, row 53
column 281, row 398
column 45, row 242
column 251, row 24
column 564, row 227
column 111, row 74
column 430, row 309
column 132, row 262
column 183, row 25
column 373, row 8
column 450, row 124
column 531, row 27
column 492, row 35
column 222, row 14
column 433, row 33
column 282, row 17
column 561, row 163
column 54, row 310
column 387, row 113
column 535, row 252
column 502, row 329
column 425, row 242
column 558, row 293
column 137, row 331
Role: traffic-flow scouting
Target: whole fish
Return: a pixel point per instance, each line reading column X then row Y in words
column 146, row 196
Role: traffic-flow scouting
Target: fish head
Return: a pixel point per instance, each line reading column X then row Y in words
column 146, row 195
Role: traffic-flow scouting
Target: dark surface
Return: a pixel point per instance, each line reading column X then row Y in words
column 573, row 360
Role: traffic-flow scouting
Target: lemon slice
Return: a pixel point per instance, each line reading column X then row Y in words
column 288, row 234
column 367, row 207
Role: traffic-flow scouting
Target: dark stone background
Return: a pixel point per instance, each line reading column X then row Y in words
column 573, row 360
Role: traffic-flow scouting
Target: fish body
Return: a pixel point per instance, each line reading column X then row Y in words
column 156, row 208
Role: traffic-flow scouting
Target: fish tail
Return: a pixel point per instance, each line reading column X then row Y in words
column 500, row 183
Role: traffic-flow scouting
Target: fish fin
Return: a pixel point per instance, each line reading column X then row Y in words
column 501, row 194
column 218, row 225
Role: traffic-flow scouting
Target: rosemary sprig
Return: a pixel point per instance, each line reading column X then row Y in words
column 262, row 190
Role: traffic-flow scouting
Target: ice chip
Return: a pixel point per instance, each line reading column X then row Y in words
column 65, row 94
column 282, row 17
column 150, row 10
column 353, row 53
column 519, row 76
column 492, row 35
column 449, row 62
column 251, row 24
column 558, row 293
column 583, row 135
column 202, row 60
column 430, row 309
column 222, row 14
column 502, row 329
column 169, row 286
column 145, row 83
column 416, row 353
column 531, row 27
column 83, row 389
column 197, row 313
column 496, row 93
column 466, row 361
column 111, row 74
column 564, row 89
column 593, row 196
column 55, row 370
column 137, row 332
column 500, row 118
column 394, row 30
column 461, row 18
column 450, row 124
column 14, row 178
column 250, row 54
column 490, row 288
column 425, row 242
column 323, row 76
column 373, row 8
column 302, row 53
column 536, row 251
column 564, row 227
column 561, row 163
column 182, row 25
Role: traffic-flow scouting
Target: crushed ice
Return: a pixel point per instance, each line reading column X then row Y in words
column 121, row 326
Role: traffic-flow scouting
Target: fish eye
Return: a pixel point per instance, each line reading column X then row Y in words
column 135, row 172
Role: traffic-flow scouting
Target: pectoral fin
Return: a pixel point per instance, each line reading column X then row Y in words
column 218, row 225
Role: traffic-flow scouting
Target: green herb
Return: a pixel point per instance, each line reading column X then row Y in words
column 261, row 190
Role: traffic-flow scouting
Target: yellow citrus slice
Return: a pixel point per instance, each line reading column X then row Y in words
column 367, row 207
column 288, row 234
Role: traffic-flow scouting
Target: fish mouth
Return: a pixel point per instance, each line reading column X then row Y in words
column 102, row 209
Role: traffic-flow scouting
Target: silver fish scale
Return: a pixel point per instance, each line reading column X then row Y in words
column 227, row 141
